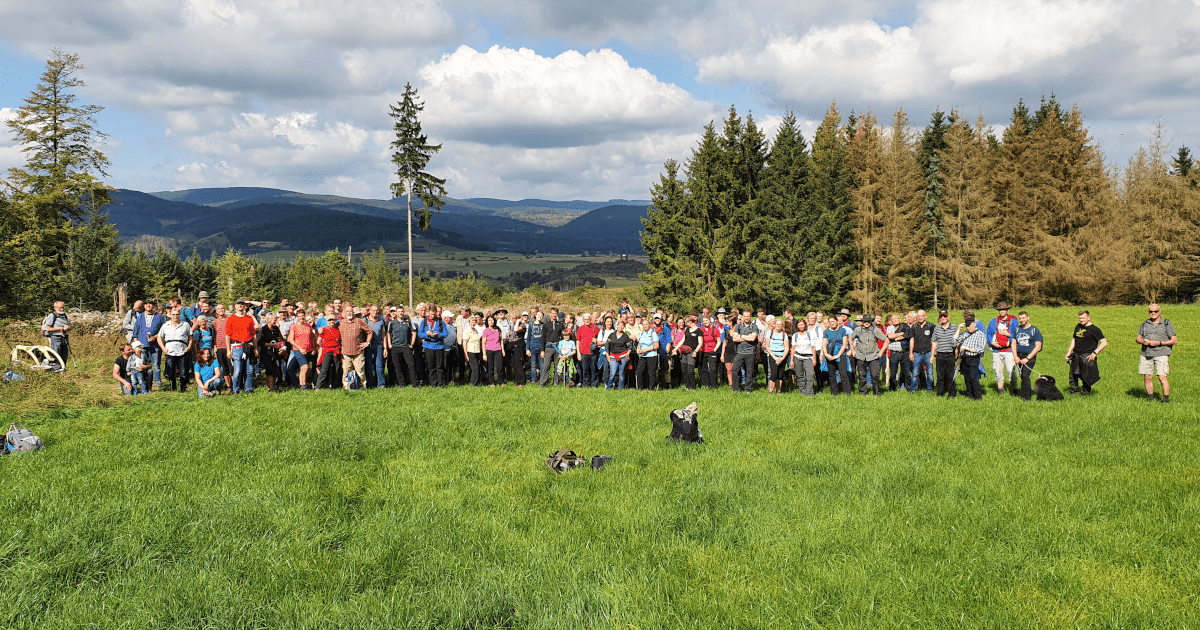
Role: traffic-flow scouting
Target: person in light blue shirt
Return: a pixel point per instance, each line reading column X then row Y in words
column 648, row 344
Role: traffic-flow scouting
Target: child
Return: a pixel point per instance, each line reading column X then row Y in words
column 137, row 366
column 565, row 370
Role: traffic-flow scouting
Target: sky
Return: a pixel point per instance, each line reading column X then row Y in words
column 571, row 99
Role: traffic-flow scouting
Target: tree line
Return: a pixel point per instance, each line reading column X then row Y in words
column 886, row 216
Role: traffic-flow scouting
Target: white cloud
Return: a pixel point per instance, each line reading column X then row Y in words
column 10, row 153
column 519, row 98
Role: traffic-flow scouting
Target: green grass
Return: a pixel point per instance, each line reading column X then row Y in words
column 434, row 510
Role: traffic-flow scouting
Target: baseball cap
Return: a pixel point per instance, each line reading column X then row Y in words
column 524, row 313
column 940, row 313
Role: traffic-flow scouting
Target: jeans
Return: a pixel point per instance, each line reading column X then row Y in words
column 535, row 364
column 243, row 377
column 212, row 389
column 373, row 358
column 58, row 343
column 153, row 356
column 744, row 362
column 921, row 361
column 175, row 372
column 138, row 380
column 616, row 371
column 587, row 371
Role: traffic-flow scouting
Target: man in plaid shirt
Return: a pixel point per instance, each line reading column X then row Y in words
column 972, row 342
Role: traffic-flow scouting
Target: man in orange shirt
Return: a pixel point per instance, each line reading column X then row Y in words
column 239, row 336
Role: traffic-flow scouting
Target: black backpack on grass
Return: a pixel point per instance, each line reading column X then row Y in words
column 685, row 425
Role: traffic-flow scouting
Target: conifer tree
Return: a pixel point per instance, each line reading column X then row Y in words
column 1184, row 166
column 738, row 277
column 782, row 245
column 1161, row 215
column 411, row 153
column 831, row 264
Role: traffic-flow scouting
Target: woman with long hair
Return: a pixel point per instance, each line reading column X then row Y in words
column 207, row 374
column 493, row 352
column 778, row 347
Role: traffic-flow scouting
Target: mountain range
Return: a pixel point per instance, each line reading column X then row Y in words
column 257, row 220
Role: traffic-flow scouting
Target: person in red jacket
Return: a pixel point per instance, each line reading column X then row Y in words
column 330, row 340
column 589, row 376
column 239, row 343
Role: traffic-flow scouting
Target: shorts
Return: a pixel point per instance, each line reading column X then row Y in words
column 1148, row 365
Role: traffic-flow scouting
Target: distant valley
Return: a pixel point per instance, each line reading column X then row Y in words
column 261, row 220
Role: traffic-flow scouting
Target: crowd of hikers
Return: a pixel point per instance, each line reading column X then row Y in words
column 299, row 345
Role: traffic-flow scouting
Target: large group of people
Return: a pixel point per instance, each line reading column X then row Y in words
column 299, row 345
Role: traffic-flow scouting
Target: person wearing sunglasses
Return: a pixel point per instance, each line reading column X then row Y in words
column 1156, row 336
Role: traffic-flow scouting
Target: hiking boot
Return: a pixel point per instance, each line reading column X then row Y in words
column 1166, row 399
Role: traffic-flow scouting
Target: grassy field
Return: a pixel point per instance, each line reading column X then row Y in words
column 432, row 509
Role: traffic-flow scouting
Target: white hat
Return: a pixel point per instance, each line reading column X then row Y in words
column 446, row 314
column 137, row 343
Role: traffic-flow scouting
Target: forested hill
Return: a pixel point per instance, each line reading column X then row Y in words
column 257, row 220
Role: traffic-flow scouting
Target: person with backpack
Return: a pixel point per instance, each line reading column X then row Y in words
column 999, row 336
column 55, row 328
column 145, row 330
column 472, row 349
column 804, row 348
column 778, row 347
column 398, row 339
column 175, row 341
column 552, row 330
column 1157, row 336
column 130, row 320
column 432, row 334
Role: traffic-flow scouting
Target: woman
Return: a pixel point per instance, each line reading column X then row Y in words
column 803, row 357
column 516, row 358
column 270, row 349
column 617, row 348
column 778, row 347
column 202, row 335
column 175, row 339
column 647, row 351
column 472, row 347
column 675, row 364
column 600, row 352
column 207, row 374
column 493, row 352
column 710, row 352
column 834, row 352
column 728, row 349
column 302, row 338
column 568, row 353
column 330, row 352
column 688, row 349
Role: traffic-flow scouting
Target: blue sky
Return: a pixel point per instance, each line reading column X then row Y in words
column 570, row 99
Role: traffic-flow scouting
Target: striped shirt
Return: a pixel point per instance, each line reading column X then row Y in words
column 945, row 337
column 973, row 343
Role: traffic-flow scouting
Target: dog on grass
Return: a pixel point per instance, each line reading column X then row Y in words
column 1045, row 389
column 685, row 425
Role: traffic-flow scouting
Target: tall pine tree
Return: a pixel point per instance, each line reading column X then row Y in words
column 831, row 264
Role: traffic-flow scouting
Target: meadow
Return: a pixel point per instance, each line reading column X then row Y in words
column 433, row 509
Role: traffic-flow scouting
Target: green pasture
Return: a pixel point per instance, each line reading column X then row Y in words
column 433, row 509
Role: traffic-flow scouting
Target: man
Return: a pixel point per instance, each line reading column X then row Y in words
column 761, row 323
column 55, row 327
column 398, row 348
column 1026, row 344
column 432, row 333
column 240, row 329
column 451, row 354
column 1086, row 345
column 356, row 338
column 373, row 356
column 865, row 342
column 460, row 325
column 221, row 345
column 665, row 344
column 552, row 329
column 586, row 334
column 1156, row 335
column 202, row 300
column 920, row 353
column 944, row 342
column 120, row 370
column 131, row 319
column 999, row 333
column 175, row 343
column 972, row 343
column 535, row 338
column 899, row 352
column 145, row 330
column 745, row 335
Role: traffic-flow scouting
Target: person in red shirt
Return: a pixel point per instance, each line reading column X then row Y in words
column 239, row 342
column 330, row 340
column 589, row 375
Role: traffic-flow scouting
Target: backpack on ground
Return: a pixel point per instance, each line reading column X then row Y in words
column 20, row 438
column 685, row 425
column 564, row 459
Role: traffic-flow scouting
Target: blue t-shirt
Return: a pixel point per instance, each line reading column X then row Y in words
column 646, row 341
column 836, row 337
column 1026, row 337
column 204, row 338
column 566, row 348
column 206, row 372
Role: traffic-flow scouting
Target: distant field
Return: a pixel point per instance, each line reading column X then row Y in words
column 490, row 264
column 432, row 509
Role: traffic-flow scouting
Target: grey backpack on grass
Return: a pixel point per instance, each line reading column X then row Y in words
column 20, row 438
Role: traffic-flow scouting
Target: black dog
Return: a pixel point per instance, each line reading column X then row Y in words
column 1045, row 389
column 685, row 425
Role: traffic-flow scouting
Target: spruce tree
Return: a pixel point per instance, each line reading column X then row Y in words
column 781, row 248
column 411, row 153
column 832, row 263
column 739, row 278
column 1184, row 166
